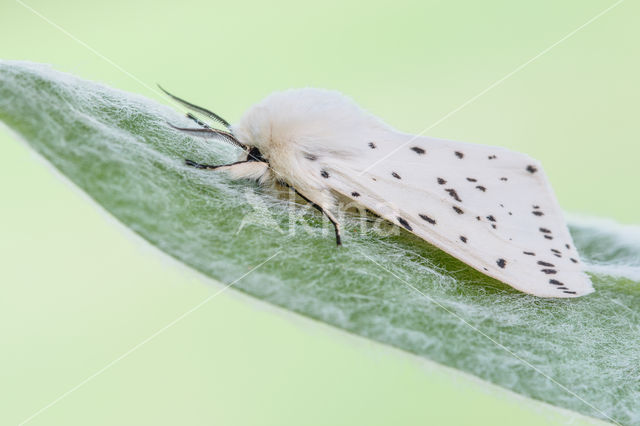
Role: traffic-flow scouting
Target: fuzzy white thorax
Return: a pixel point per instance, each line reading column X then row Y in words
column 299, row 130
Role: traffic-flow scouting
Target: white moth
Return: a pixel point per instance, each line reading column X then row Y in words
column 489, row 207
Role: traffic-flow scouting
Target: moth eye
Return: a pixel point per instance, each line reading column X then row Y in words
column 255, row 155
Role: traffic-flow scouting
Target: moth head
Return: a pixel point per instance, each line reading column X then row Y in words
column 254, row 129
column 297, row 117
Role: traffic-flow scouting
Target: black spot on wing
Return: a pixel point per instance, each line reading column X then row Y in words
column 537, row 213
column 459, row 154
column 395, row 175
column 569, row 292
column 441, row 181
column 544, row 230
column 568, row 246
column 548, row 237
column 427, row 218
column 404, row 223
column 532, row 169
column 504, row 179
column 310, row 157
column 417, row 150
column 355, row 194
column 491, row 218
column 463, row 239
column 372, row 145
column 481, row 188
column 529, row 253
column 555, row 251
column 540, row 262
column 549, row 271
column 453, row 194
column 472, row 179
column 324, row 174
column 573, row 260
column 457, row 210
column 492, row 157
column 501, row 263
column 555, row 282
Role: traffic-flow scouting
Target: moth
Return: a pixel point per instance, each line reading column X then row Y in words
column 490, row 207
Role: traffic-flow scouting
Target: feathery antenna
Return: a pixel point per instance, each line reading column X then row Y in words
column 208, row 131
column 199, row 109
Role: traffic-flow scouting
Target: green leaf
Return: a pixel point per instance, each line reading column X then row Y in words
column 118, row 148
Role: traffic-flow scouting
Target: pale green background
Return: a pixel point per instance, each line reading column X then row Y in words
column 233, row 361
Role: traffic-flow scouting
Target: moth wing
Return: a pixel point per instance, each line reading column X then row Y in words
column 489, row 207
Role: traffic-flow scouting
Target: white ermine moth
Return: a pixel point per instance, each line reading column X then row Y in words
column 490, row 207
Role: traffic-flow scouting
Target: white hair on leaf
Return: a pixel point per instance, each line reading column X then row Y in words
column 489, row 207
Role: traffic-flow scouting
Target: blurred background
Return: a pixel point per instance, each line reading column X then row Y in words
column 490, row 73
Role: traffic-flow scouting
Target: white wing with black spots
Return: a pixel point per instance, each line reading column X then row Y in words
column 489, row 207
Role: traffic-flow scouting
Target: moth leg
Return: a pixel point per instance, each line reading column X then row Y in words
column 209, row 166
column 327, row 213
column 247, row 169
column 336, row 225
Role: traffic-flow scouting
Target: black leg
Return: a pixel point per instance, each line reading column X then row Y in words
column 209, row 166
column 336, row 225
column 198, row 165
